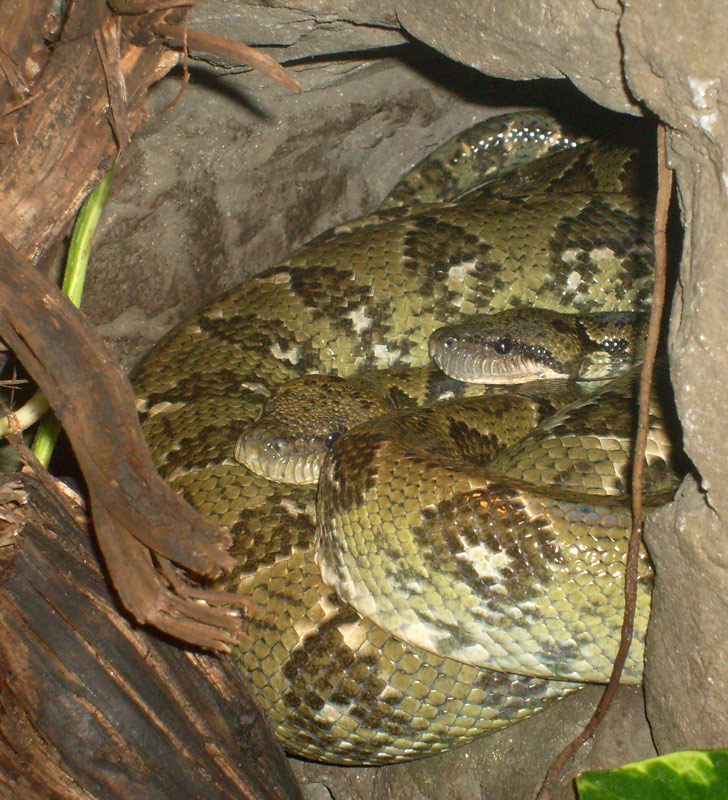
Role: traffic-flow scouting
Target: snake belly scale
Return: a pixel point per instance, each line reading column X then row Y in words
column 567, row 232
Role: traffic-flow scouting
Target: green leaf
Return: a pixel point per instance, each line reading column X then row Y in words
column 686, row 775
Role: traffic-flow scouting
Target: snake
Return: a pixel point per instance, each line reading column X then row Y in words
column 398, row 612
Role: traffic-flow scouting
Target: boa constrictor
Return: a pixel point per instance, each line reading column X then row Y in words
column 570, row 231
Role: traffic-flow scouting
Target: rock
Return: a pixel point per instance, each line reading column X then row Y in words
column 671, row 65
column 577, row 39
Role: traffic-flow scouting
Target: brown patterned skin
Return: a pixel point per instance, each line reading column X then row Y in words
column 304, row 416
column 368, row 294
column 512, row 561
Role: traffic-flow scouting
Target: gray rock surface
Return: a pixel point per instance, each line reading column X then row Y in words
column 239, row 172
column 576, row 39
column 686, row 682
column 672, row 64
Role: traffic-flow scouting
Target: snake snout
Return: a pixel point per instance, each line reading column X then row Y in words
column 442, row 343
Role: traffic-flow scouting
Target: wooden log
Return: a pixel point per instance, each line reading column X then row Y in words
column 92, row 708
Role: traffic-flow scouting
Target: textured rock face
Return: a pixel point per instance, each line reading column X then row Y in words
column 577, row 39
column 672, row 64
column 239, row 172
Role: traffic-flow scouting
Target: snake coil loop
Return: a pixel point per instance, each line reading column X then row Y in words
column 557, row 225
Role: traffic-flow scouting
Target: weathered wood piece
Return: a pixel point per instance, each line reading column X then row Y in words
column 134, row 510
column 92, row 707
column 89, row 706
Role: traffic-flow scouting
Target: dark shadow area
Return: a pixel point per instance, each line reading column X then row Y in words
column 559, row 96
column 216, row 81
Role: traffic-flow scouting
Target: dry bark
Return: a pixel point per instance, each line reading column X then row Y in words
column 92, row 707
column 135, row 512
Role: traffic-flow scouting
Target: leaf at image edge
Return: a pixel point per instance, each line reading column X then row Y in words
column 685, row 775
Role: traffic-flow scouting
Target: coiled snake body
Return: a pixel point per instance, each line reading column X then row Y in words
column 568, row 232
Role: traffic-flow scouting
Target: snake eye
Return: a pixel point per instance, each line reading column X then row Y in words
column 449, row 342
column 503, row 346
column 331, row 438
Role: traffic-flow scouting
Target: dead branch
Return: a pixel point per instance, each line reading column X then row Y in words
column 133, row 508
column 227, row 48
column 93, row 85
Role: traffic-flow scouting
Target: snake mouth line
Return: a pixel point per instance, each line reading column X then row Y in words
column 472, row 367
column 275, row 458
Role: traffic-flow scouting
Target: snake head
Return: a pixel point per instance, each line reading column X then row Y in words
column 507, row 347
column 521, row 345
column 300, row 423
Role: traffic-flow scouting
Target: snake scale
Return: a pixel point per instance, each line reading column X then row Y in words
column 558, row 224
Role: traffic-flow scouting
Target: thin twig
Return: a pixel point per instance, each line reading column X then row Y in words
column 108, row 44
column 11, row 108
column 185, row 62
column 227, row 48
column 664, row 191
